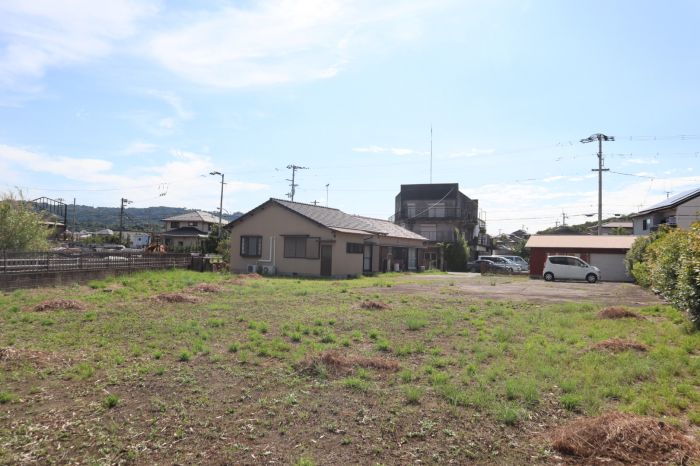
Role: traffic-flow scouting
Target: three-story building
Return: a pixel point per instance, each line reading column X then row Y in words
column 435, row 211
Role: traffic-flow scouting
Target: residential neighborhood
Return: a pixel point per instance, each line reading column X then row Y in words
column 344, row 232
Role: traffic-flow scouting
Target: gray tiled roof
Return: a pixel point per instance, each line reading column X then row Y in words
column 334, row 218
column 194, row 216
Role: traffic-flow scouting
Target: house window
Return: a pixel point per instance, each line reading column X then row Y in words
column 191, row 224
column 301, row 247
column 251, row 246
column 354, row 248
column 174, row 224
column 645, row 224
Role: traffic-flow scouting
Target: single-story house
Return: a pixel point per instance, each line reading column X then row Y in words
column 680, row 211
column 606, row 252
column 292, row 238
column 187, row 232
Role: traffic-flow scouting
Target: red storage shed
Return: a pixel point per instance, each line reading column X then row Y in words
column 605, row 252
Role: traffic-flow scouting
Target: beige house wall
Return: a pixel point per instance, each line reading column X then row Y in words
column 188, row 242
column 688, row 213
column 274, row 222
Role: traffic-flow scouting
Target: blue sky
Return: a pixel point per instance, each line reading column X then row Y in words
column 138, row 99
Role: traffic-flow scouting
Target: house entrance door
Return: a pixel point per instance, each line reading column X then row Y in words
column 326, row 253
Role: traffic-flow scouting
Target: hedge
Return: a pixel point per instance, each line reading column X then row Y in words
column 668, row 262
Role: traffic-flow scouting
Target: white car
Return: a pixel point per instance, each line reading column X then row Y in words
column 569, row 268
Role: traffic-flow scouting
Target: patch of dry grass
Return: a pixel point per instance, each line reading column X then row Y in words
column 615, row 438
column 339, row 363
column 176, row 298
column 60, row 305
column 618, row 312
column 374, row 305
column 206, row 288
column 618, row 345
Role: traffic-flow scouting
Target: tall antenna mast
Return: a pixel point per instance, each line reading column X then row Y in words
column 431, row 153
column 293, row 185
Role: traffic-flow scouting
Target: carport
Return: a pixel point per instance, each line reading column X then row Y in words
column 605, row 252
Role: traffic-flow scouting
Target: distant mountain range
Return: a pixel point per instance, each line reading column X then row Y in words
column 148, row 219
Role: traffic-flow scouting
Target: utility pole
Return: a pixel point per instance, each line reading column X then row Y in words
column 121, row 217
column 327, row 185
column 294, row 169
column 74, row 216
column 600, row 137
column 563, row 219
column 221, row 199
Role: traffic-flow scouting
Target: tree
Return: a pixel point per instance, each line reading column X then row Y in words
column 457, row 253
column 20, row 227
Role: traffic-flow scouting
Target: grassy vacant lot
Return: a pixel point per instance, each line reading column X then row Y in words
column 241, row 374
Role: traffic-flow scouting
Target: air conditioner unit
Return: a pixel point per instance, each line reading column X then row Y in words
column 269, row 270
column 252, row 268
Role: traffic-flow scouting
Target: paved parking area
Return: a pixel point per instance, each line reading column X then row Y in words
column 511, row 287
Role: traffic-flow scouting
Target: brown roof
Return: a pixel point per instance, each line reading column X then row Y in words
column 581, row 241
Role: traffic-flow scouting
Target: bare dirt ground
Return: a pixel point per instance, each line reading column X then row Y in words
column 523, row 288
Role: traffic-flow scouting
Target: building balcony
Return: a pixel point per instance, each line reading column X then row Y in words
column 431, row 213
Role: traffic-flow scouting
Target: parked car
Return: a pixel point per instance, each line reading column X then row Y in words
column 507, row 264
column 569, row 268
column 491, row 266
column 518, row 261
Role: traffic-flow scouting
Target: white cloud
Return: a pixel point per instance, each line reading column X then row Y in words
column 387, row 150
column 539, row 205
column 282, row 41
column 41, row 34
column 181, row 180
column 640, row 161
column 166, row 123
column 174, row 102
column 139, row 147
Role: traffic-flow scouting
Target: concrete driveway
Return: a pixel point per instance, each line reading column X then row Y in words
column 523, row 288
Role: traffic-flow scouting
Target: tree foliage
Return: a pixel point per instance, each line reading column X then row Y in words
column 668, row 262
column 457, row 253
column 20, row 227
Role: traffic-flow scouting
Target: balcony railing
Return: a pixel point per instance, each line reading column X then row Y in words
column 432, row 212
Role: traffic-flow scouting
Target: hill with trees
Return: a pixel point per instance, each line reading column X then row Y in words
column 141, row 219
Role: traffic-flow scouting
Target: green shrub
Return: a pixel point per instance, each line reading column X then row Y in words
column 668, row 261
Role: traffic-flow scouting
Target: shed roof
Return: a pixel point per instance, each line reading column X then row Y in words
column 194, row 216
column 338, row 220
column 672, row 201
column 581, row 241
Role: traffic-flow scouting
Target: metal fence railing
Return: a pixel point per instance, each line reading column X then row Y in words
column 28, row 262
